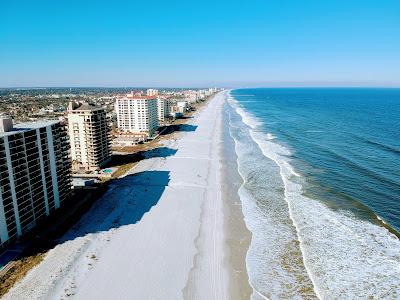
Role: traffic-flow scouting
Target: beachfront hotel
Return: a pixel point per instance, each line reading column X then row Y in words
column 164, row 109
column 137, row 114
column 35, row 174
column 89, row 134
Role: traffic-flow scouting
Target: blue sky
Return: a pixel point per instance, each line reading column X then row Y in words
column 199, row 43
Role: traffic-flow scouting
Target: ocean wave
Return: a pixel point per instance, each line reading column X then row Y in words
column 270, row 136
column 250, row 120
column 314, row 131
column 362, row 168
column 345, row 257
column 382, row 146
column 380, row 219
column 266, row 216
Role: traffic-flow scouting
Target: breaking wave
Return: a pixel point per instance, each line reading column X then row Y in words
column 301, row 248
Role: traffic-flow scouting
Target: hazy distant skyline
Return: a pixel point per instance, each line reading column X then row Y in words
column 196, row 44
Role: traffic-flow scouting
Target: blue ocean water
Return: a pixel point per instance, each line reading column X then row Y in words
column 321, row 169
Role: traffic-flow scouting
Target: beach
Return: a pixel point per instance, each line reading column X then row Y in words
column 224, row 208
column 168, row 229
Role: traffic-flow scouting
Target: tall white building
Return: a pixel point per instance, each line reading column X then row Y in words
column 89, row 133
column 35, row 175
column 152, row 92
column 164, row 109
column 137, row 114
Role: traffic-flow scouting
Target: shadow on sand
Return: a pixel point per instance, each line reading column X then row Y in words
column 124, row 202
column 187, row 127
column 178, row 128
column 159, row 152
column 119, row 159
column 121, row 202
column 127, row 200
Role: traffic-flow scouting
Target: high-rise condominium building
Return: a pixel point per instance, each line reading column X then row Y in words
column 89, row 134
column 137, row 114
column 152, row 92
column 35, row 174
column 164, row 109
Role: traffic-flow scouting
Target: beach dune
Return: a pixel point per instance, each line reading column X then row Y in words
column 158, row 232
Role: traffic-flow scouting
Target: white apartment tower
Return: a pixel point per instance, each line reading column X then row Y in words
column 35, row 175
column 137, row 114
column 164, row 109
column 89, row 136
column 152, row 92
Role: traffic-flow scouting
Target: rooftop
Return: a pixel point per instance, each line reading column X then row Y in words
column 136, row 97
column 22, row 127
column 82, row 106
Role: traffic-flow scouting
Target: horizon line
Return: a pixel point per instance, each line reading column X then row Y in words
column 200, row 87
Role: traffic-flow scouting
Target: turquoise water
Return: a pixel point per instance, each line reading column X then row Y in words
column 320, row 170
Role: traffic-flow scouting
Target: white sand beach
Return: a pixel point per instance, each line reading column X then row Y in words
column 157, row 233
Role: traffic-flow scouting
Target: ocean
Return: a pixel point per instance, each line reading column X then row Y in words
column 321, row 190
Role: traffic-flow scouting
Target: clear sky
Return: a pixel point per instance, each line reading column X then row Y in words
column 199, row 43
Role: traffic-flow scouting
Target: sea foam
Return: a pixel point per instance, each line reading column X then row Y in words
column 274, row 240
column 345, row 257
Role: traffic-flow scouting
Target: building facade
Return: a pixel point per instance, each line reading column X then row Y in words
column 89, row 134
column 182, row 106
column 137, row 114
column 163, row 109
column 152, row 92
column 35, row 175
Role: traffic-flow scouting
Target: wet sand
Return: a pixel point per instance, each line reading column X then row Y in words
column 238, row 237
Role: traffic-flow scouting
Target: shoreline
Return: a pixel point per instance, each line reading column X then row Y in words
column 161, row 231
column 298, row 249
column 238, row 237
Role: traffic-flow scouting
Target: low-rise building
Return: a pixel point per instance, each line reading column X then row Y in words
column 182, row 106
column 124, row 140
column 175, row 112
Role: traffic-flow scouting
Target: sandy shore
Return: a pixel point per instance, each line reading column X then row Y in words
column 158, row 233
column 237, row 236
